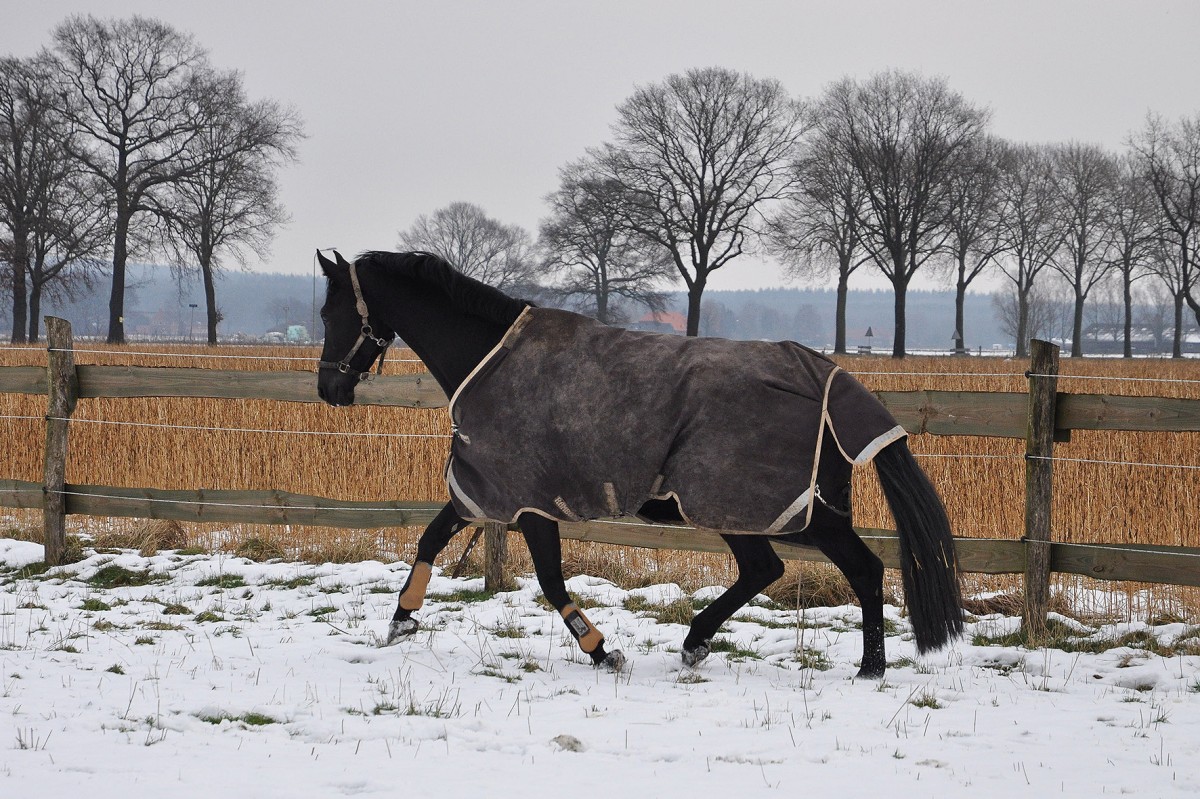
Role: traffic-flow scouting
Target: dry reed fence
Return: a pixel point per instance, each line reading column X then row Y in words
column 1123, row 499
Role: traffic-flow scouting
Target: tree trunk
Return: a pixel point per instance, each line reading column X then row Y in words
column 210, row 299
column 960, row 301
column 1128, row 288
column 1177, row 336
column 839, row 322
column 20, row 266
column 35, row 311
column 695, row 291
column 116, row 301
column 1077, row 327
column 1022, row 349
column 901, row 289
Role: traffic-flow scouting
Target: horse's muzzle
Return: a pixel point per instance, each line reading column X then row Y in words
column 335, row 388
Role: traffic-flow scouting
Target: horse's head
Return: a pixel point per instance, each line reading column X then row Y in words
column 354, row 339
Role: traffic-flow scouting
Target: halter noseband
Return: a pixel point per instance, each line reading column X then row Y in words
column 365, row 333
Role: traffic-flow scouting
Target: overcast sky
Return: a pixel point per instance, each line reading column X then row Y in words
column 409, row 106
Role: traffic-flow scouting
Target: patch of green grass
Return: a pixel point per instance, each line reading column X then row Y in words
column 508, row 630
column 119, row 577
column 94, row 604
column 288, row 585
column 144, row 640
column 926, row 699
column 176, row 610
column 249, row 719
column 814, row 659
column 222, row 581
column 31, row 571
column 115, row 668
column 322, row 611
column 1063, row 637
column 731, row 649
column 678, row 612
column 381, row 588
column 464, row 596
column 208, row 615
column 161, row 626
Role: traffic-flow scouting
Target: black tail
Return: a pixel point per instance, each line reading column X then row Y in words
column 927, row 562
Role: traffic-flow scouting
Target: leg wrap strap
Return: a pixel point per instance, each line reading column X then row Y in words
column 413, row 595
column 585, row 633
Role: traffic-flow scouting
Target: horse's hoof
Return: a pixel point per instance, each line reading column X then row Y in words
column 613, row 661
column 692, row 657
column 399, row 630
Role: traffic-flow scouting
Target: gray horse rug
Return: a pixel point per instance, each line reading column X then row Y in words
column 576, row 420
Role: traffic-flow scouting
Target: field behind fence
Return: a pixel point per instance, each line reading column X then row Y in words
column 1110, row 487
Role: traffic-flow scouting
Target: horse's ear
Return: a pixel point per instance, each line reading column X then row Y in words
column 326, row 264
column 340, row 260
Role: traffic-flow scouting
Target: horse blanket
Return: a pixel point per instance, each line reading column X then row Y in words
column 575, row 420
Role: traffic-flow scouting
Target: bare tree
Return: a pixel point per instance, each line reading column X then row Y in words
column 31, row 160
column 478, row 246
column 1028, row 229
column 1135, row 233
column 701, row 156
column 55, row 216
column 226, row 201
column 134, row 95
column 816, row 230
column 587, row 239
column 906, row 136
column 1170, row 155
column 1085, row 179
column 975, row 237
column 1034, row 316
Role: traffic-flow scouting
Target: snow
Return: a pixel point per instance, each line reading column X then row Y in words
column 267, row 680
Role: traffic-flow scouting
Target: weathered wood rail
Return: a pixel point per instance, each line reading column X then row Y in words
column 1041, row 416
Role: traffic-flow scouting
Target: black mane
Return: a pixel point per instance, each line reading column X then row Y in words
column 465, row 293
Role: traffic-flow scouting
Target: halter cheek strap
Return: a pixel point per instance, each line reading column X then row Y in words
column 365, row 333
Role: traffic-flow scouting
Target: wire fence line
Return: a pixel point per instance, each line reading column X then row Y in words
column 446, row 436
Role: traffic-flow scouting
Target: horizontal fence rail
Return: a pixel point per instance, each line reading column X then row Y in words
column 1000, row 414
column 946, row 413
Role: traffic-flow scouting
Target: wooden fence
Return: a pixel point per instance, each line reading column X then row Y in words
column 1041, row 416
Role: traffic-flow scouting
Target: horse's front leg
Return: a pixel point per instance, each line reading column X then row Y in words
column 545, row 548
column 435, row 538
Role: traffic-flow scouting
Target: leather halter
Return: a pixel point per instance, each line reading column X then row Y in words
column 365, row 333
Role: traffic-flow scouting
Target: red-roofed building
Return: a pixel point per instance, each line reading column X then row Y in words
column 662, row 322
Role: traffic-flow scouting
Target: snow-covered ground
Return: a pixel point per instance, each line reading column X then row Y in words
column 227, row 678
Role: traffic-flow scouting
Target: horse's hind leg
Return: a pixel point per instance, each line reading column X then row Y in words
column 863, row 569
column 435, row 538
column 758, row 567
column 545, row 548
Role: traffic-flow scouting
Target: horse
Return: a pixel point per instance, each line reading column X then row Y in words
column 718, row 466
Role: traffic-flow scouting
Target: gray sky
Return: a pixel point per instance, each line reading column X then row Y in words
column 409, row 106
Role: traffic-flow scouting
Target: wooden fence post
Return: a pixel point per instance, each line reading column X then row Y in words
column 495, row 554
column 1039, row 471
column 62, row 394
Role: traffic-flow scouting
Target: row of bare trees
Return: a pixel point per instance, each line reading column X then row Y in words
column 122, row 139
column 896, row 173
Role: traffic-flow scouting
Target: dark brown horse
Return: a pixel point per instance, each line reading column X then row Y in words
column 462, row 328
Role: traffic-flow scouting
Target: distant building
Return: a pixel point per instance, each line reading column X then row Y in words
column 662, row 322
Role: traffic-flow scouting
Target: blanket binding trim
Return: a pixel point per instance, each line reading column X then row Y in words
column 804, row 501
